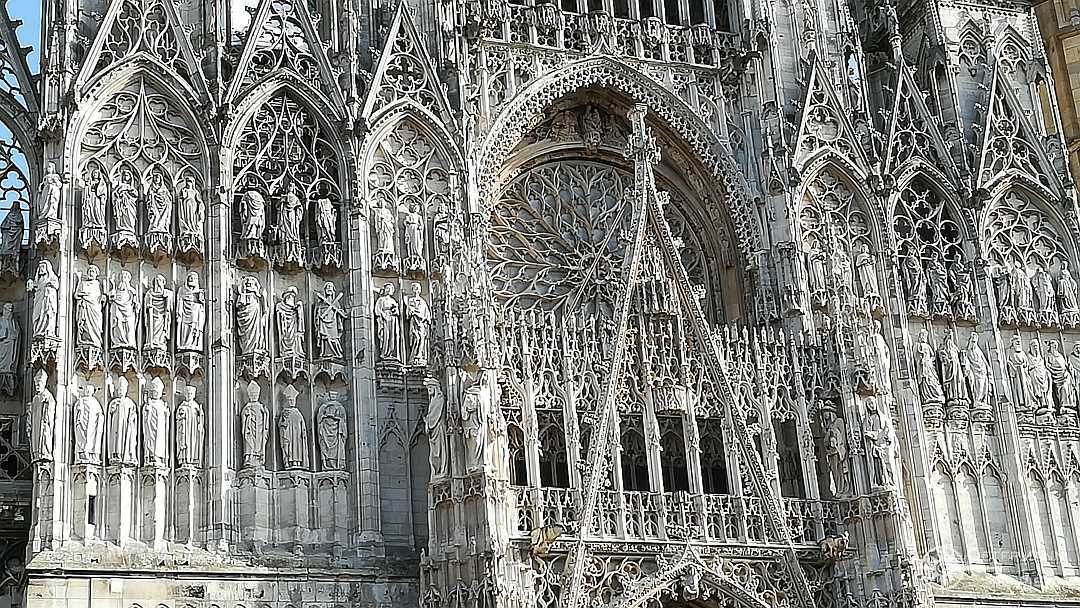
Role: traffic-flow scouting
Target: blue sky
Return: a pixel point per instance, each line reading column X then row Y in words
column 29, row 11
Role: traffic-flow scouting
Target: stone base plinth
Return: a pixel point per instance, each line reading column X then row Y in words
column 255, row 490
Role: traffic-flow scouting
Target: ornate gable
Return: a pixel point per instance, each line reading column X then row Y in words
column 149, row 27
column 282, row 37
column 405, row 71
column 823, row 122
column 913, row 135
column 14, row 76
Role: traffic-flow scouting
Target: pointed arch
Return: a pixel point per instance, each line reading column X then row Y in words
column 1019, row 224
column 823, row 124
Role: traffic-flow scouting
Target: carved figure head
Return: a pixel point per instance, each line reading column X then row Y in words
column 159, row 282
column 329, row 288
column 41, row 378
column 155, row 178
column 51, row 167
column 417, row 289
column 388, row 289
column 189, row 392
column 44, row 268
column 924, row 335
column 289, row 295
column 1017, row 345
column 120, row 389
column 86, row 391
column 1034, row 348
column 9, row 310
column 156, row 388
column 189, row 181
column 290, row 393
column 193, row 279
column 125, row 277
column 253, row 391
column 1052, row 347
column 92, row 272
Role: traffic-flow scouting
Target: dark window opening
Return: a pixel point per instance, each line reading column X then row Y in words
column 645, row 7
column 720, row 11
column 569, row 6
column 596, row 5
column 622, row 9
column 671, row 12
column 554, row 472
column 788, row 460
column 697, row 12
column 673, row 455
column 91, row 510
column 714, row 477
column 635, row 461
column 519, row 470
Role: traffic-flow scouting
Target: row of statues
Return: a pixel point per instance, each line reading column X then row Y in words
column 1044, row 384
column 445, row 229
column 882, row 443
column 388, row 323
column 952, row 378
column 331, row 429
column 936, row 290
column 1029, row 297
column 252, row 312
column 839, row 264
column 288, row 232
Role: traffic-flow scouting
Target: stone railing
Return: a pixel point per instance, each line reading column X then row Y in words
column 671, row 516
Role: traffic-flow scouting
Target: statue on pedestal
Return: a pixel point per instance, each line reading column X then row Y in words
column 385, row 225
column 189, row 430
column 40, row 419
column 1019, row 369
column 45, row 286
column 155, row 419
column 1063, row 390
column 915, row 286
column 836, row 454
column 290, row 325
column 977, row 370
column 191, row 217
column 930, row 390
column 290, row 217
column 329, row 316
column 388, row 322
column 413, row 221
column 125, row 210
column 95, row 195
column 1067, row 299
column 123, row 326
column 435, row 426
column 10, row 339
column 123, row 425
column 419, row 315
column 191, row 315
column 292, row 431
column 89, row 423
column 333, row 432
column 251, row 317
column 254, row 421
column 159, row 212
column 49, row 192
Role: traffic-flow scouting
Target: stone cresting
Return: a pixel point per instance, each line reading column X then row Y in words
column 496, row 304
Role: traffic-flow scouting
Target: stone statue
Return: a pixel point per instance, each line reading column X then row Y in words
column 1067, row 299
column 977, row 369
column 1046, row 297
column 952, row 376
column 48, row 204
column 963, row 290
column 89, row 420
column 155, row 425
column 476, row 422
column 290, row 325
column 938, row 278
column 190, row 315
column 329, row 316
column 930, row 390
column 190, row 215
column 1017, row 365
column 1064, row 391
column 326, row 222
column 333, row 431
column 11, row 232
column 252, row 215
column 125, row 210
column 95, row 196
column 867, row 276
column 440, row 232
column 89, row 308
column 882, row 358
column 915, row 285
column 158, row 205
column 292, row 431
column 189, row 430
column 385, row 224
column 419, row 315
column 435, row 426
column 836, row 454
column 290, row 217
column 388, row 321
column 123, row 423
column 41, row 417
column 1020, row 290
column 254, row 421
column 1074, row 370
column 157, row 315
column 45, row 286
column 250, row 317
column 123, row 324
column 413, row 221
column 10, row 339
column 1039, row 375
column 883, row 445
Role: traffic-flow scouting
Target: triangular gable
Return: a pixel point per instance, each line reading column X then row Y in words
column 282, row 36
column 1009, row 146
column 151, row 27
column 655, row 282
column 913, row 133
column 406, row 71
column 823, row 121
column 15, row 79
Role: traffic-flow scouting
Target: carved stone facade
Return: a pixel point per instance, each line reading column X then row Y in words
column 492, row 304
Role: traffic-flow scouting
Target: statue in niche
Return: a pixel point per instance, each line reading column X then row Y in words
column 440, row 232
column 45, row 286
column 867, row 275
column 1063, row 391
column 10, row 337
column 190, row 216
column 157, row 315
column 1046, row 297
column 385, row 224
column 11, row 236
column 290, row 325
column 915, row 285
column 41, row 417
column 191, row 315
column 977, row 370
column 1074, row 370
column 419, row 315
column 49, row 192
column 938, row 278
column 252, row 216
column 930, row 390
column 841, row 267
column 414, row 238
column 435, row 426
column 189, row 430
column 292, row 431
column 158, row 211
column 123, row 327
column 123, row 425
column 290, row 217
column 326, row 222
column 329, row 316
column 476, row 422
column 952, row 376
column 836, row 453
column 963, row 290
column 1067, row 299
column 1042, row 402
column 95, row 195
column 883, row 445
column 89, row 419
column 125, row 210
column 333, row 431
column 251, row 317
column 592, row 129
column 155, row 425
column 1020, row 290
column 89, row 309
column 387, row 319
column 882, row 357
column 1019, row 370
column 254, row 420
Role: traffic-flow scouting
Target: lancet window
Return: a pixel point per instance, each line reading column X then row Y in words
column 634, row 458
column 714, row 473
column 673, row 454
column 519, row 470
column 554, row 470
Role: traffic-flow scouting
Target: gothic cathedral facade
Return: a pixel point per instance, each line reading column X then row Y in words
column 537, row 303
